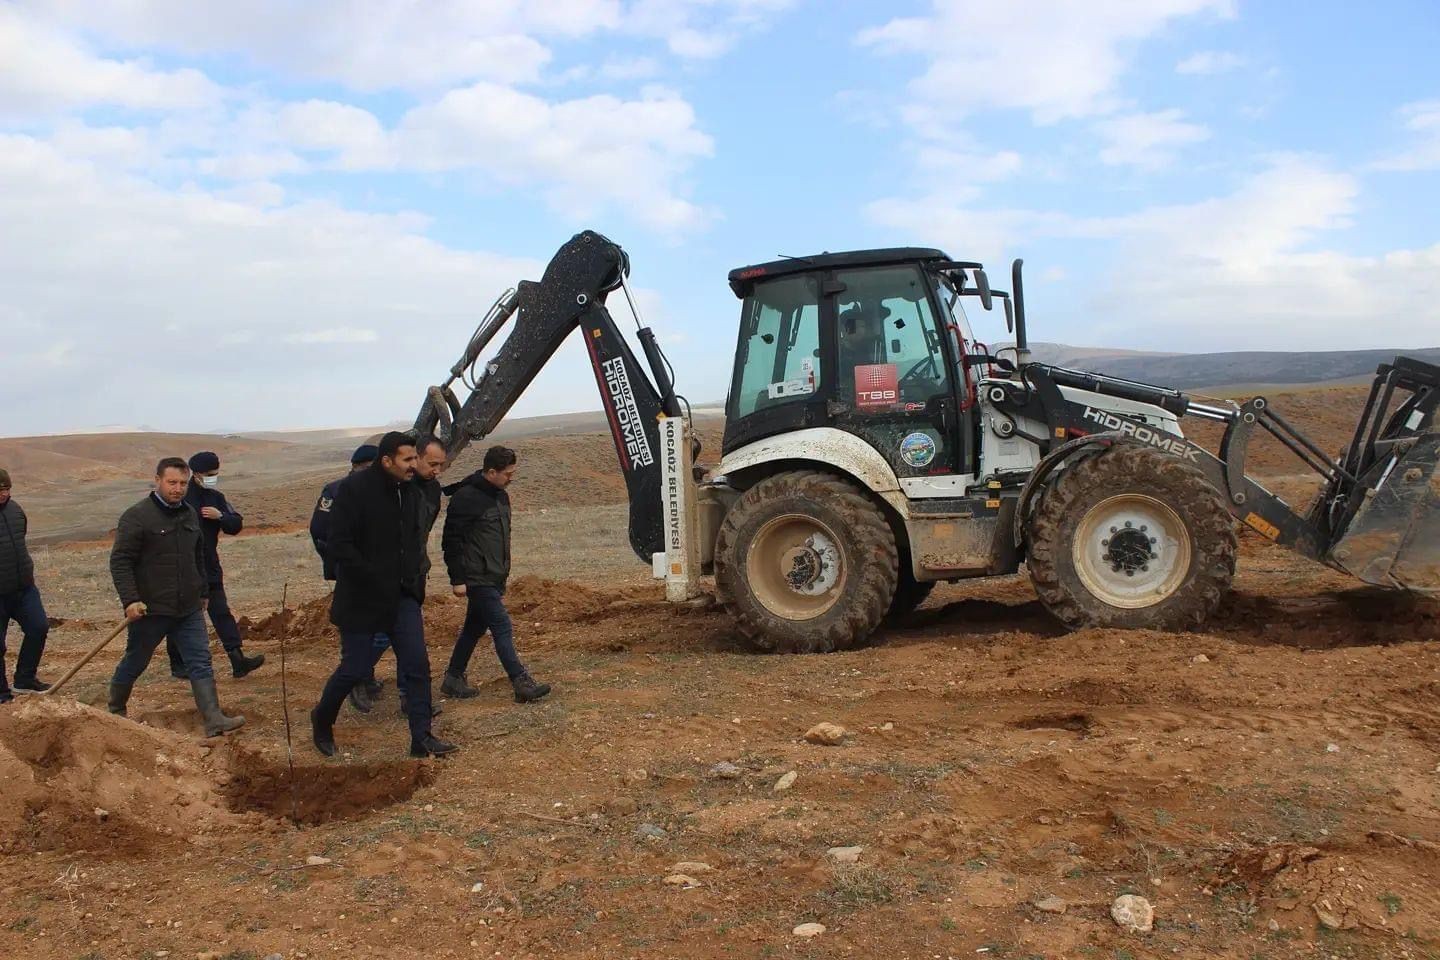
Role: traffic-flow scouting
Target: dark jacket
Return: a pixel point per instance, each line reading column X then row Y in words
column 476, row 540
column 427, row 503
column 375, row 545
column 159, row 558
column 17, row 570
column 320, row 527
column 229, row 523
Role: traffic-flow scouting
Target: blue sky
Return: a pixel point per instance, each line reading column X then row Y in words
column 274, row 216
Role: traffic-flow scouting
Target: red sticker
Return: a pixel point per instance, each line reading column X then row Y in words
column 876, row 385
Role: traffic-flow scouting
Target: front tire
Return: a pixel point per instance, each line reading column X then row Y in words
column 1131, row 538
column 806, row 563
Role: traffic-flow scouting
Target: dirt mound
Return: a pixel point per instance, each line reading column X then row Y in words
column 564, row 601
column 73, row 777
column 300, row 626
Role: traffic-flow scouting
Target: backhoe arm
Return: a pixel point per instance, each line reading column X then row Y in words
column 571, row 294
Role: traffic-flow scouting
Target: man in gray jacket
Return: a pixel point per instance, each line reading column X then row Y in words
column 158, row 565
column 19, row 600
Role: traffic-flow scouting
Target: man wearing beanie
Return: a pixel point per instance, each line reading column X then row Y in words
column 362, row 695
column 216, row 517
column 19, row 600
column 158, row 565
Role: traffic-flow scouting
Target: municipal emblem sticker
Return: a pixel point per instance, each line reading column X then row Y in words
column 918, row 449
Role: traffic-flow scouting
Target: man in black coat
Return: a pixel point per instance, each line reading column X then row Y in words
column 363, row 456
column 216, row 517
column 19, row 598
column 377, row 545
column 158, row 565
column 476, row 541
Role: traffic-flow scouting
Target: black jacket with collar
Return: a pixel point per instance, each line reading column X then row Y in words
column 17, row 570
column 476, row 539
column 159, row 558
column 376, row 544
column 230, row 523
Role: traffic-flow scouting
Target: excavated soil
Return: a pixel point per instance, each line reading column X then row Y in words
column 1270, row 783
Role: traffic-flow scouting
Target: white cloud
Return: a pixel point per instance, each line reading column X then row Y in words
column 1209, row 62
column 1054, row 58
column 1245, row 270
column 42, row 69
column 1422, row 119
column 1146, row 140
column 334, row 335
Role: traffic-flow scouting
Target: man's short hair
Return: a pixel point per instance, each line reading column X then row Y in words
column 424, row 443
column 171, row 463
column 498, row 458
column 4, row 480
column 391, row 443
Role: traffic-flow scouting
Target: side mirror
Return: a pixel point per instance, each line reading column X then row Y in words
column 982, row 283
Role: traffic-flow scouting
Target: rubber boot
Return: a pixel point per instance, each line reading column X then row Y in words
column 241, row 664
column 373, row 687
column 527, row 689
column 208, row 701
column 119, row 697
column 455, row 685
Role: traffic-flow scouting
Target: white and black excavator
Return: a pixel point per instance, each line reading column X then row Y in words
column 873, row 447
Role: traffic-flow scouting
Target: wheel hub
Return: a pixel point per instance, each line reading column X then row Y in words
column 796, row 567
column 1129, row 549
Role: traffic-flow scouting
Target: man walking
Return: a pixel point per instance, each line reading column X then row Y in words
column 429, row 464
column 476, row 541
column 376, row 545
column 362, row 695
column 158, row 565
column 216, row 517
column 19, row 599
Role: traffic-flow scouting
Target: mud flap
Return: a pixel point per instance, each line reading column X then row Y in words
column 1393, row 540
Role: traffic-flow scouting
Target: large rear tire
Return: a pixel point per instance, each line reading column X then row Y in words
column 909, row 594
column 805, row 563
column 1131, row 538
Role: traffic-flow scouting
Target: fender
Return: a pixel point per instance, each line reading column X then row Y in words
column 1047, row 466
column 828, row 445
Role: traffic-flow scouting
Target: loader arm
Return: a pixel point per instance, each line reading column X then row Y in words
column 571, row 293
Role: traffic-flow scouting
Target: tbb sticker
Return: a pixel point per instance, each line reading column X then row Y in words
column 876, row 385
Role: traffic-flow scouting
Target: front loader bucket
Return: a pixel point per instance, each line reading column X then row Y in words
column 1393, row 540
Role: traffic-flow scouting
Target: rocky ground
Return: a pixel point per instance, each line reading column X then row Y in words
column 996, row 788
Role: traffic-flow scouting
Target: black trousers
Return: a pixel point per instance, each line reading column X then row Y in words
column 357, row 661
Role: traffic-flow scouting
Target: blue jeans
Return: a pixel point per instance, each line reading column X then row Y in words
column 225, row 627
column 25, row 608
column 357, row 660
column 145, row 634
column 485, row 610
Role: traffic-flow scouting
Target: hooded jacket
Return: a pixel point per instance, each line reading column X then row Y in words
column 476, row 538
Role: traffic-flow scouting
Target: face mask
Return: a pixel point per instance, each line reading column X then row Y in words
column 210, row 481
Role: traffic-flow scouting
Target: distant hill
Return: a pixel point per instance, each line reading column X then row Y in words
column 1193, row 370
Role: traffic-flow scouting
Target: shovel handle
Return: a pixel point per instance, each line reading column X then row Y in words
column 86, row 659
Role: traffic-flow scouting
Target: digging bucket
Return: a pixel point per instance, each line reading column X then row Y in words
column 1393, row 540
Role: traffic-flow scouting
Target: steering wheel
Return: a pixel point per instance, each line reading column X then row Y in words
column 921, row 366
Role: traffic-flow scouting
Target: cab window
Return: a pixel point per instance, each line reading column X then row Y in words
column 778, row 357
column 890, row 358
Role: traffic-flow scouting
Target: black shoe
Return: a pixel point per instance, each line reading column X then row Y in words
column 30, row 685
column 455, row 685
column 6, row 696
column 527, row 689
column 360, row 698
column 324, row 737
column 240, row 664
column 435, row 708
column 431, row 746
